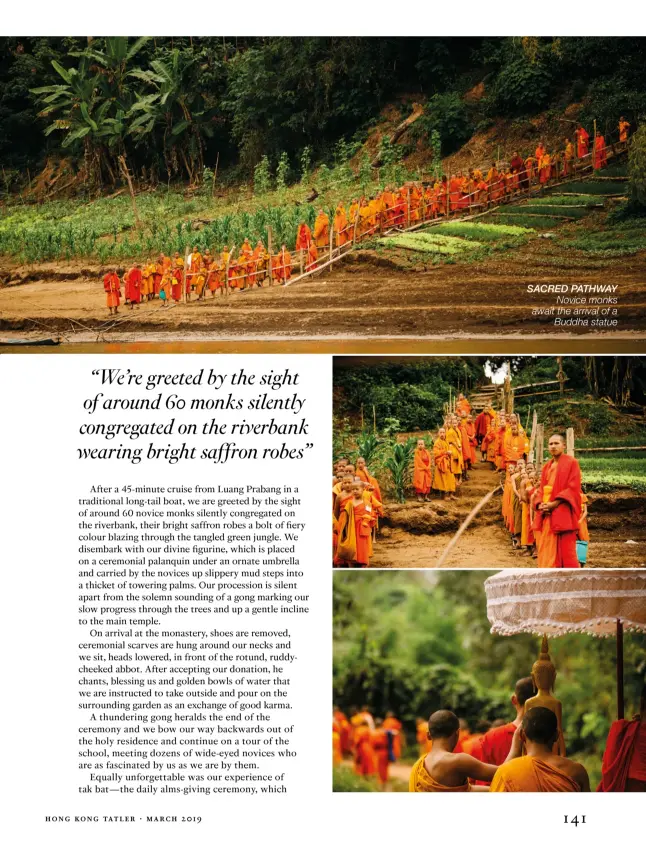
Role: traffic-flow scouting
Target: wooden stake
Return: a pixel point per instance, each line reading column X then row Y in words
column 331, row 244
column 374, row 419
column 594, row 143
column 301, row 260
column 539, row 446
column 532, row 442
column 215, row 174
column 569, row 441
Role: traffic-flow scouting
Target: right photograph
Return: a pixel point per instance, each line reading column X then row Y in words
column 489, row 462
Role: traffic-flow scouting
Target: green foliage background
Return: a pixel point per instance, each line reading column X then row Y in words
column 416, row 641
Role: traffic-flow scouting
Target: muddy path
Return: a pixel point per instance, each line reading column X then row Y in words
column 363, row 298
column 414, row 535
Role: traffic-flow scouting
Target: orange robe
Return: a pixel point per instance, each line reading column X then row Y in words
column 624, row 758
column 496, row 743
column 379, row 740
column 303, row 237
column 421, row 781
column 341, row 226
column 558, row 529
column 394, row 724
column 443, row 479
column 363, row 474
column 528, row 774
column 600, row 155
column 422, row 471
column 624, row 126
column 582, row 142
column 322, row 230
column 112, row 287
column 365, row 762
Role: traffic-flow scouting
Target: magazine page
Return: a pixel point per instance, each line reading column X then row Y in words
column 352, row 258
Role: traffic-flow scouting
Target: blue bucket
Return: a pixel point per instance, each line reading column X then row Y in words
column 582, row 551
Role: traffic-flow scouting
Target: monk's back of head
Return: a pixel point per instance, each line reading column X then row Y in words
column 523, row 690
column 442, row 724
column 541, row 726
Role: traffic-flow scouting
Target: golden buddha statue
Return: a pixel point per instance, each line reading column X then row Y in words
column 544, row 676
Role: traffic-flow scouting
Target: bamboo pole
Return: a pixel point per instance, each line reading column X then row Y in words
column 532, row 442
column 465, row 524
column 301, row 261
column 331, row 244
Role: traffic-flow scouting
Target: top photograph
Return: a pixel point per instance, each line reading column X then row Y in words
column 286, row 194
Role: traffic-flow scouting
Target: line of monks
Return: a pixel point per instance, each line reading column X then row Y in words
column 522, row 755
column 356, row 507
column 408, row 205
column 372, row 743
column 546, row 515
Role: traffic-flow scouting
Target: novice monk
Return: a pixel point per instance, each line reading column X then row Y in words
column 355, row 529
column 442, row 770
column 112, row 287
column 559, row 509
column 624, row 758
column 540, row 770
column 443, row 478
column 422, row 471
column 364, row 474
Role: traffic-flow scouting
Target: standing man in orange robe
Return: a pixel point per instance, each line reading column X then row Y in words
column 582, row 142
column 559, row 510
column 379, row 740
column 112, row 288
column 443, row 477
column 340, row 225
column 421, row 471
column 365, row 760
column 135, row 279
column 303, row 238
column 600, row 155
column 322, row 230
column 391, row 723
column 624, row 129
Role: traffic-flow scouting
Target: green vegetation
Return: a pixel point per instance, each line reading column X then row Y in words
column 612, row 240
column 417, row 642
column 590, row 187
column 478, row 230
column 571, row 200
column 637, row 168
column 345, row 780
column 604, row 472
column 532, row 209
column 429, row 242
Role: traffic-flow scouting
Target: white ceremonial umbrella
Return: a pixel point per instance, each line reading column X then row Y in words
column 555, row 602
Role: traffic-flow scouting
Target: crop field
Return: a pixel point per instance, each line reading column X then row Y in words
column 423, row 241
column 608, row 471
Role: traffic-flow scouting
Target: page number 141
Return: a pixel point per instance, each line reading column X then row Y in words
column 575, row 820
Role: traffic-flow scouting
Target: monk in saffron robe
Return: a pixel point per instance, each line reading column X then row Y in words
column 443, row 477
column 341, row 225
column 455, row 192
column 112, row 288
column 624, row 129
column 442, row 770
column 135, row 279
column 540, row 770
column 454, row 442
column 365, row 761
column 391, row 723
column 379, row 740
column 544, row 168
column 559, row 510
column 158, row 272
column 624, row 758
column 344, row 729
column 496, row 743
column 285, row 264
column 530, row 164
column 600, row 155
column 363, row 473
column 322, row 230
column 421, row 471
column 312, row 256
column 568, row 158
column 515, row 445
column 355, row 530
column 178, row 277
column 582, row 142
column 337, row 755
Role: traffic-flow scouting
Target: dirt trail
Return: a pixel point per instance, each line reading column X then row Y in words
column 364, row 297
column 414, row 535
